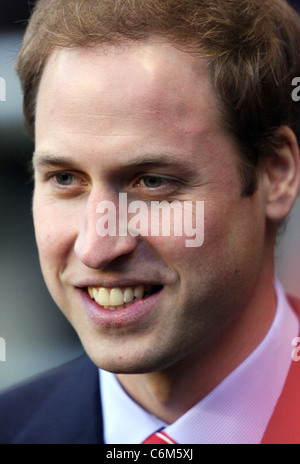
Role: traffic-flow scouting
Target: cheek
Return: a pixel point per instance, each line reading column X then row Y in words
column 230, row 236
column 54, row 231
column 234, row 240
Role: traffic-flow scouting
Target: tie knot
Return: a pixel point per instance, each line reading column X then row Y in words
column 159, row 438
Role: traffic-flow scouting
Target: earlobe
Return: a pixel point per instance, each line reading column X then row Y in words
column 283, row 173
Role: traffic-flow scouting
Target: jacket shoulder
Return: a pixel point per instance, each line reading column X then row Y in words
column 61, row 406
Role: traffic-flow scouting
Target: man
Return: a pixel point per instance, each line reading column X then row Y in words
column 180, row 100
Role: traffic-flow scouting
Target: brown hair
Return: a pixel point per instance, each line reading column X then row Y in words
column 252, row 48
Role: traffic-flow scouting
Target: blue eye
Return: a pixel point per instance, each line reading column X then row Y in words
column 64, row 178
column 153, row 182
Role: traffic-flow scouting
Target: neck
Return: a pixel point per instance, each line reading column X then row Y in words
column 169, row 393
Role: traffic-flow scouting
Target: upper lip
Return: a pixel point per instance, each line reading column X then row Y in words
column 116, row 283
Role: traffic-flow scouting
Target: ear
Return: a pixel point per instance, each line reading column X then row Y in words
column 283, row 175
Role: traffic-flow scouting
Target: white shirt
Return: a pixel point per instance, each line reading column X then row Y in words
column 237, row 411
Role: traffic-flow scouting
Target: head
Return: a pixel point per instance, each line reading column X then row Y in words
column 195, row 94
column 251, row 49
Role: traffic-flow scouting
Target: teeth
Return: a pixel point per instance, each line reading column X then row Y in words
column 128, row 295
column 139, row 291
column 102, row 297
column 116, row 298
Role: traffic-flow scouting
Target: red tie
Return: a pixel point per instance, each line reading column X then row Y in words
column 159, row 438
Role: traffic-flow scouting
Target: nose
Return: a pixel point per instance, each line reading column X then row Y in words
column 98, row 242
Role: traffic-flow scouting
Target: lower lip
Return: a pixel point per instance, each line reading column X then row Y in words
column 130, row 316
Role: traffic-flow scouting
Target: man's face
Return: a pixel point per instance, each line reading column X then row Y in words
column 144, row 121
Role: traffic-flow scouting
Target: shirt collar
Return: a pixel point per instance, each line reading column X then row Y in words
column 237, row 411
column 125, row 422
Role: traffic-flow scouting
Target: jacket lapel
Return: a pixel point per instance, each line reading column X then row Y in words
column 70, row 412
column 284, row 426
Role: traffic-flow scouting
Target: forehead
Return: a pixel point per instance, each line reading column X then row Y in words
column 145, row 93
column 153, row 67
column 155, row 75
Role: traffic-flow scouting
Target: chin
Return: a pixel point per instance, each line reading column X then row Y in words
column 126, row 364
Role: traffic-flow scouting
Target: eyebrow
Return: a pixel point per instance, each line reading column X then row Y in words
column 43, row 159
column 186, row 167
column 163, row 160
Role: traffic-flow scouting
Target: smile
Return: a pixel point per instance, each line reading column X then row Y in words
column 121, row 297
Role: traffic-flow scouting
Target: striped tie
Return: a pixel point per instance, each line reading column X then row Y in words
column 159, row 438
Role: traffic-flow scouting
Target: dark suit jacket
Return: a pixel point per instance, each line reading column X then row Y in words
column 64, row 407
column 61, row 407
